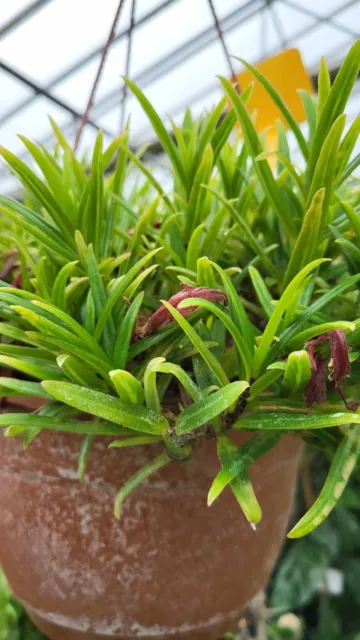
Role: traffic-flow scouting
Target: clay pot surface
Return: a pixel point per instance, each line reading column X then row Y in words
column 172, row 567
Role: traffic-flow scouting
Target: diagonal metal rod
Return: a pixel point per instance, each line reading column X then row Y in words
column 222, row 40
column 264, row 32
column 90, row 102
column 185, row 52
column 278, row 26
column 23, row 15
column 127, row 63
column 80, row 64
column 325, row 19
column 143, row 78
column 40, row 91
column 169, row 63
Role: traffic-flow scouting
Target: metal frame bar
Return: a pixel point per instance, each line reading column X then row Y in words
column 40, row 91
column 184, row 52
column 162, row 68
column 324, row 19
column 67, row 73
column 128, row 62
column 278, row 26
column 105, row 51
column 23, row 15
column 222, row 38
column 211, row 87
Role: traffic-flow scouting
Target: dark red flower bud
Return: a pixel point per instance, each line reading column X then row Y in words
column 162, row 316
column 316, row 388
column 339, row 365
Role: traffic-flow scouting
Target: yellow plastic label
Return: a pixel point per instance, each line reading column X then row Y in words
column 287, row 74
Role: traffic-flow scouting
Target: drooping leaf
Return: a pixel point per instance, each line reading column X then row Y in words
column 341, row 468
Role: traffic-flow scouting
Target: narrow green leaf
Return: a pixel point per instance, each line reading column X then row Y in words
column 152, row 398
column 273, row 323
column 73, row 326
column 119, row 290
column 262, row 168
column 324, row 85
column 137, row 479
column 38, row 228
column 240, row 343
column 59, row 289
column 346, row 147
column 175, row 370
column 241, row 486
column 307, row 243
column 198, row 343
column 100, row 299
column 243, row 458
column 291, row 422
column 324, row 170
column 127, row 386
column 193, row 249
column 78, row 373
column 125, row 332
column 84, row 455
column 41, row 192
column 277, row 99
column 341, row 468
column 55, row 182
column 264, row 382
column 163, row 135
column 262, row 292
column 134, row 442
column 313, row 332
column 105, row 406
column 310, row 107
column 251, row 239
column 17, row 423
column 308, row 313
column 335, row 103
column 237, row 311
column 297, row 372
column 210, row 407
column 351, row 214
column 204, row 273
column 14, row 387
column 34, row 370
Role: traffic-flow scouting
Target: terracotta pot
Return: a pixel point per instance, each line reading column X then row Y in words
column 172, row 567
column 25, row 403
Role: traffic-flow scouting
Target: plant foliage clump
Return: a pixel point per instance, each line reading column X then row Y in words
column 228, row 302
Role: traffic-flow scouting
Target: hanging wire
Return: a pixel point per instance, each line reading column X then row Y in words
column 224, row 45
column 106, row 48
column 128, row 63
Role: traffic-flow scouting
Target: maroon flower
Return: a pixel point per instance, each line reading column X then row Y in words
column 162, row 316
column 339, row 365
column 9, row 265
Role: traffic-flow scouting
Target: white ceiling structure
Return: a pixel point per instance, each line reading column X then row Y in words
column 50, row 51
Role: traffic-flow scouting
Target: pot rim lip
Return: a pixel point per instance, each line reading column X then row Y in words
column 128, row 631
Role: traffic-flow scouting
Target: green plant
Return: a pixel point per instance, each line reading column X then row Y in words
column 304, row 581
column 257, row 339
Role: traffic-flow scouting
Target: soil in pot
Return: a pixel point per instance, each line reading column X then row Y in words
column 171, row 567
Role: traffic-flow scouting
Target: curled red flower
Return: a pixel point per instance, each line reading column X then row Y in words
column 162, row 316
